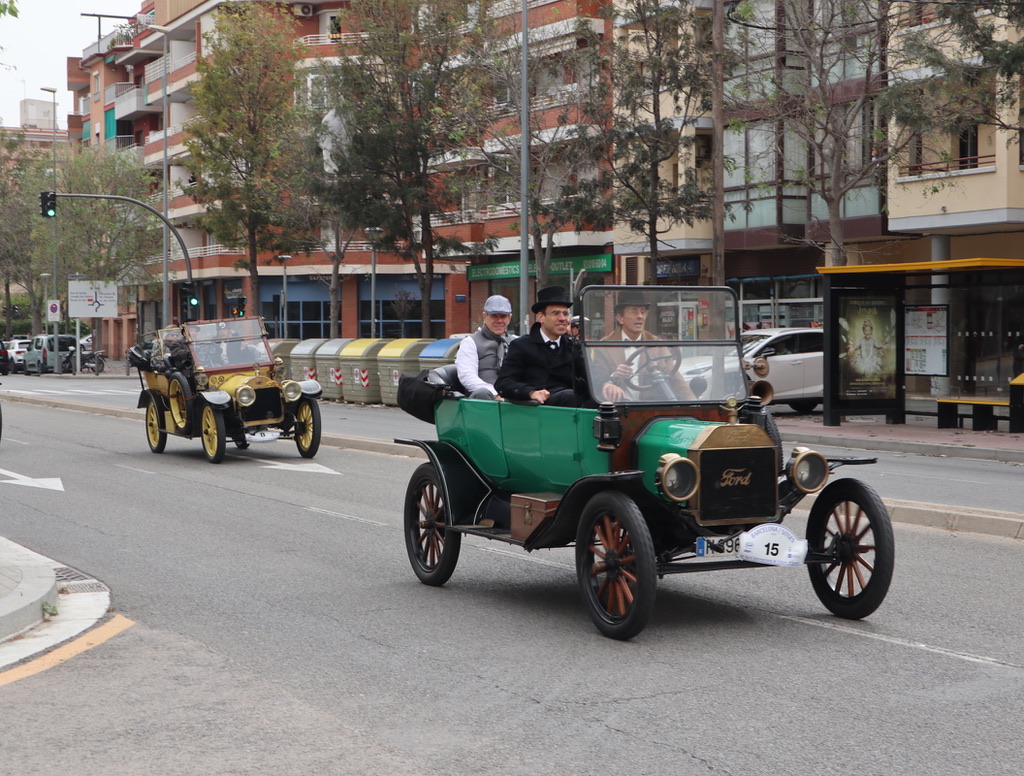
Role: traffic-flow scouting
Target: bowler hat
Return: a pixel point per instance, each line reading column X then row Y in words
column 550, row 295
column 631, row 299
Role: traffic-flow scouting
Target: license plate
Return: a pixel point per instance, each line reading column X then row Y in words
column 709, row 547
column 773, row 545
column 265, row 435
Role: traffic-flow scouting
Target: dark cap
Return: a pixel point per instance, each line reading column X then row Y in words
column 631, row 299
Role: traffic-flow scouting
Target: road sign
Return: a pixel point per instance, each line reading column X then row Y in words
column 92, row 299
column 53, row 311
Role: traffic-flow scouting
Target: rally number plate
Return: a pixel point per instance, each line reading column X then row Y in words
column 773, row 545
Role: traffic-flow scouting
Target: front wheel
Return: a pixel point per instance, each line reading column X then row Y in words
column 307, row 427
column 849, row 521
column 433, row 549
column 615, row 565
column 155, row 434
column 215, row 438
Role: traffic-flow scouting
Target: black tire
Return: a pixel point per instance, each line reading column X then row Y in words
column 803, row 406
column 179, row 398
column 307, row 427
column 155, row 434
column 615, row 565
column 850, row 515
column 99, row 364
column 214, row 435
column 433, row 550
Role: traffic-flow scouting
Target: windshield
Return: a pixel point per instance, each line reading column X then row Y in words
column 661, row 344
column 236, row 342
column 751, row 340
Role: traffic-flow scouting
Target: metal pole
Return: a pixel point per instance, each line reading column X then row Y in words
column 166, row 113
column 283, row 327
column 524, row 174
column 56, row 335
column 373, row 231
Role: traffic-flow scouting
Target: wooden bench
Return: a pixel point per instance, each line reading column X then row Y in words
column 983, row 418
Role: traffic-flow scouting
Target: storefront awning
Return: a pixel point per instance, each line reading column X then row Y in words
column 925, row 267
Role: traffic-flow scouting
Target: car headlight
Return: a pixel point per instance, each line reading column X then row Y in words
column 677, row 477
column 245, row 395
column 292, row 390
column 808, row 470
column 202, row 381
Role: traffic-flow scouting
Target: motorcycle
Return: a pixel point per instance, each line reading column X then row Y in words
column 88, row 361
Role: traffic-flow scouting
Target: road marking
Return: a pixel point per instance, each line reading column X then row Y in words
column 353, row 518
column 85, row 642
column 134, row 469
column 49, row 483
column 312, row 468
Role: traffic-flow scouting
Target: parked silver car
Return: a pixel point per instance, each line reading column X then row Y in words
column 40, row 357
column 791, row 360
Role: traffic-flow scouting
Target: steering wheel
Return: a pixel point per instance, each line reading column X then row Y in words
column 650, row 366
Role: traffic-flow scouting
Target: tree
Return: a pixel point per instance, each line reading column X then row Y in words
column 657, row 88
column 243, row 141
column 402, row 98
column 18, row 211
column 829, row 95
column 560, row 86
column 8, row 8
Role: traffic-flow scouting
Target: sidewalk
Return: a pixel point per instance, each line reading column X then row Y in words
column 27, row 579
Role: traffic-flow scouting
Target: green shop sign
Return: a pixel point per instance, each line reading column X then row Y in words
column 510, row 269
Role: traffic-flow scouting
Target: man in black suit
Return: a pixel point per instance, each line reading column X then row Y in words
column 538, row 365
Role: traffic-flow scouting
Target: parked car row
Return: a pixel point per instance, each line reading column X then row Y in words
column 41, row 356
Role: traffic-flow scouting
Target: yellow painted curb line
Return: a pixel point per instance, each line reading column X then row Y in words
column 89, row 640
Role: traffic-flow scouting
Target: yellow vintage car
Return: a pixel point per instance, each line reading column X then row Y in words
column 217, row 380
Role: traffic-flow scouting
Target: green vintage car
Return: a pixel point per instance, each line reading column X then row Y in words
column 218, row 380
column 684, row 472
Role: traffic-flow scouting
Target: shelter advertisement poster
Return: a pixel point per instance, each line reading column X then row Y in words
column 927, row 340
column 867, row 342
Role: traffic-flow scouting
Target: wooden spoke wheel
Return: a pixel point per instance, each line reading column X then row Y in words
column 307, row 427
column 215, row 438
column 155, row 434
column 849, row 522
column 615, row 565
column 433, row 550
column 179, row 397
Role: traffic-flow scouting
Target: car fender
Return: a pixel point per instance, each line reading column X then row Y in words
column 562, row 530
column 465, row 490
column 311, row 388
column 219, row 400
column 148, row 393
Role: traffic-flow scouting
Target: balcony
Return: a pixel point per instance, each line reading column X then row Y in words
column 130, row 103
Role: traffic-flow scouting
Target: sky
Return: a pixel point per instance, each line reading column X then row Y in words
column 34, row 48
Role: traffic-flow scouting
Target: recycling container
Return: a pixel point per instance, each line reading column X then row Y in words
column 398, row 357
column 328, row 368
column 304, row 359
column 440, row 352
column 359, row 370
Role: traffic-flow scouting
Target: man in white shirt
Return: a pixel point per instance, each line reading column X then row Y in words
column 482, row 353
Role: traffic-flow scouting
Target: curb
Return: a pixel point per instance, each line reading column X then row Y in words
column 32, row 581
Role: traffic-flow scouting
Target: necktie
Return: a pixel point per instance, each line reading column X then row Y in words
column 553, row 344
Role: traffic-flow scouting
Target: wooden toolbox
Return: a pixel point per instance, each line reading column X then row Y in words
column 531, row 512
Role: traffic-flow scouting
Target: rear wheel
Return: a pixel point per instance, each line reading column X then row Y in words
column 615, row 565
column 215, row 437
column 803, row 406
column 433, row 550
column 179, row 396
column 849, row 521
column 155, row 434
column 99, row 364
column 307, row 427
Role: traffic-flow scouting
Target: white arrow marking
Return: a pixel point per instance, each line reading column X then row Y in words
column 50, row 483
column 311, row 468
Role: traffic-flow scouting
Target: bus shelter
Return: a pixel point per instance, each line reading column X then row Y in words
column 950, row 332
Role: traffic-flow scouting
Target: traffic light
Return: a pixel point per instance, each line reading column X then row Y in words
column 239, row 309
column 188, row 293
column 48, row 204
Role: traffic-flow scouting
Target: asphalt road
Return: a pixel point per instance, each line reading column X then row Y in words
column 278, row 629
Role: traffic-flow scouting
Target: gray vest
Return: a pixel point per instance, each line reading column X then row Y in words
column 491, row 353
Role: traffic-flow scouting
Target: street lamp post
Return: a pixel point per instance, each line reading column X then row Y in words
column 373, row 232
column 53, row 142
column 166, row 114
column 283, row 328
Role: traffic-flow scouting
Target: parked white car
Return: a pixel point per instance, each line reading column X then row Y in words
column 17, row 350
column 791, row 360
